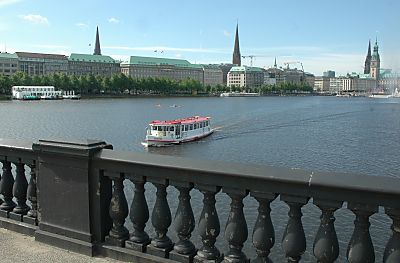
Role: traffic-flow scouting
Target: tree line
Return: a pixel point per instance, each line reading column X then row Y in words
column 120, row 83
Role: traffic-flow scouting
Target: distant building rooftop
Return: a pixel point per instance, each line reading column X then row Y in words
column 154, row 61
column 8, row 55
column 40, row 55
column 247, row 69
column 91, row 58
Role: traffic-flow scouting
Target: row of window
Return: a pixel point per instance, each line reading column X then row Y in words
column 186, row 127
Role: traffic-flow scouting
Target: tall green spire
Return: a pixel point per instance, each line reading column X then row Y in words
column 375, row 54
column 236, row 60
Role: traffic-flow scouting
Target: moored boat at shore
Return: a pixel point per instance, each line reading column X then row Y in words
column 240, row 94
column 380, row 96
column 162, row 133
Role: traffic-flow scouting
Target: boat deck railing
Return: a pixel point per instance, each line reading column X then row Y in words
column 76, row 199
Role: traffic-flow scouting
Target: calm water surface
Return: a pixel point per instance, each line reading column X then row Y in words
column 356, row 135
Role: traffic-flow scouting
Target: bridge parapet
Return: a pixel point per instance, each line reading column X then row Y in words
column 79, row 203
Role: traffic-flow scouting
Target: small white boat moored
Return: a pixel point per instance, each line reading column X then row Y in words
column 163, row 133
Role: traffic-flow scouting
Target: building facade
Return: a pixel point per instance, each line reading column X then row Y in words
column 245, row 77
column 388, row 80
column 321, row 84
column 329, row 74
column 212, row 75
column 85, row 64
column 176, row 69
column 41, row 64
column 8, row 64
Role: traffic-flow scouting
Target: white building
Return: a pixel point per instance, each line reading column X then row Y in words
column 244, row 76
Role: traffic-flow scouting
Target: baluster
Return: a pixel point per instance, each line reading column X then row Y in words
column 294, row 239
column 392, row 250
column 6, row 187
column 118, row 212
column 326, row 245
column 20, row 188
column 139, row 215
column 32, row 197
column 161, row 244
column 208, row 226
column 263, row 232
column 360, row 248
column 184, row 249
column 236, row 227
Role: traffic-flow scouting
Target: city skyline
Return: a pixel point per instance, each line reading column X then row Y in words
column 205, row 33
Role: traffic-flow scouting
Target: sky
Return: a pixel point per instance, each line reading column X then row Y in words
column 320, row 34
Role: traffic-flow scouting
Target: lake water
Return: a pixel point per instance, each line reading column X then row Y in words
column 355, row 135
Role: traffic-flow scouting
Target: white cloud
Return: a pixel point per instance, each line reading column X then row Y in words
column 176, row 49
column 47, row 46
column 226, row 33
column 35, row 19
column 8, row 2
column 113, row 20
column 82, row 25
column 178, row 55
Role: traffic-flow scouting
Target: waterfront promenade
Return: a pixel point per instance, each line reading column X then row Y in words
column 16, row 248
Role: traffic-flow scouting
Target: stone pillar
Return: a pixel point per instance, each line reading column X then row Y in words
column 73, row 199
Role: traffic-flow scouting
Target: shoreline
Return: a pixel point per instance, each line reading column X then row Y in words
column 126, row 96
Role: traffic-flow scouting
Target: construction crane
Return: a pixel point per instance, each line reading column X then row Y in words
column 251, row 58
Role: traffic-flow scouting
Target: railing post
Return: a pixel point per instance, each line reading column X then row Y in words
column 326, row 245
column 72, row 196
column 6, row 186
column 360, row 248
column 139, row 215
column 392, row 250
column 294, row 239
column 236, row 227
column 208, row 226
column 32, row 215
column 184, row 249
column 161, row 244
column 20, row 188
column 263, row 232
column 118, row 212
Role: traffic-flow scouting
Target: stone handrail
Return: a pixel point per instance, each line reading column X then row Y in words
column 83, row 205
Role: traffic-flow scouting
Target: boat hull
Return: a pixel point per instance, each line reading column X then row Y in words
column 161, row 143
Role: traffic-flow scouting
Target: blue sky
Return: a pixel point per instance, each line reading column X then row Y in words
column 319, row 33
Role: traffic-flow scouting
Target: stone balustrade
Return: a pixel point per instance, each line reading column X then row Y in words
column 77, row 201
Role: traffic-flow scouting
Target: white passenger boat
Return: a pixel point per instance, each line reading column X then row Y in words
column 162, row 133
column 380, row 96
column 240, row 94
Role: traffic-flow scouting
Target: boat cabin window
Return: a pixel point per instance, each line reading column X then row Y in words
column 190, row 126
column 186, row 127
column 171, row 128
column 159, row 128
column 195, row 126
column 201, row 124
column 154, row 128
column 164, row 128
column 206, row 123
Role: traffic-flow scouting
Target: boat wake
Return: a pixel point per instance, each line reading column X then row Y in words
column 238, row 127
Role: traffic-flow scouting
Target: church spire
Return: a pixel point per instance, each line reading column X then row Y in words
column 367, row 65
column 275, row 65
column 97, row 50
column 236, row 51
